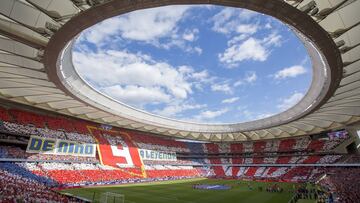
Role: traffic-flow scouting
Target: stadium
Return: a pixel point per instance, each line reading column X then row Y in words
column 184, row 101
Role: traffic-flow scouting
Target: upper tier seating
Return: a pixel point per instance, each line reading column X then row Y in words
column 286, row 145
column 4, row 116
column 26, row 118
column 148, row 140
column 259, row 146
column 236, row 147
column 41, row 121
column 28, row 123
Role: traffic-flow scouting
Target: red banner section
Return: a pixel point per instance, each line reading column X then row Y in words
column 116, row 149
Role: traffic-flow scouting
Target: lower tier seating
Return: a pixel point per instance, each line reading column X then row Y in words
column 344, row 183
column 19, row 185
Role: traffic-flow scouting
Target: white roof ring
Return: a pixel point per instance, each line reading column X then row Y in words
column 326, row 60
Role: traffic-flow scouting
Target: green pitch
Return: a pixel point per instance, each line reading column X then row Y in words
column 181, row 191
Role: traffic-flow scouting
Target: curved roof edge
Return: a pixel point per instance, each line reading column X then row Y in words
column 325, row 69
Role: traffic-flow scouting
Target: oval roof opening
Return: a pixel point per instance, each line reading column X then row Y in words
column 204, row 64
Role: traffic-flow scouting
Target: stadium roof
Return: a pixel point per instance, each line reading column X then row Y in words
column 36, row 38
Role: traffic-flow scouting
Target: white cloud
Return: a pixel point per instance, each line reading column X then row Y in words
column 200, row 79
column 250, row 49
column 198, row 50
column 123, row 68
column 175, row 108
column 264, row 115
column 237, row 39
column 244, row 32
column 202, row 76
column 242, row 45
column 268, row 26
column 186, row 70
column 290, row 101
column 137, row 96
column 126, row 75
column 197, row 77
column 272, row 40
column 230, row 100
column 249, row 115
column 155, row 26
column 250, row 77
column 231, row 20
column 190, row 35
column 101, row 32
column 208, row 115
column 224, row 87
column 142, row 25
column 290, row 72
column 138, row 80
column 247, row 28
column 179, row 41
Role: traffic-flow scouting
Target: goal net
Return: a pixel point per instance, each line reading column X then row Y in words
column 109, row 197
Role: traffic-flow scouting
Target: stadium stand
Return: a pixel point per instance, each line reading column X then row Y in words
column 194, row 159
column 18, row 184
column 344, row 183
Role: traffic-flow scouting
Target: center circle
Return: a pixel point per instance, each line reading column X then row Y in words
column 198, row 63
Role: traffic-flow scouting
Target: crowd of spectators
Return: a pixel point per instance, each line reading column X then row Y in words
column 115, row 141
column 343, row 183
column 260, row 171
column 28, row 130
column 299, row 146
column 20, row 185
column 147, row 141
column 80, row 173
column 19, row 189
column 288, row 173
column 84, row 138
column 15, row 128
column 27, row 123
column 44, row 121
column 75, row 170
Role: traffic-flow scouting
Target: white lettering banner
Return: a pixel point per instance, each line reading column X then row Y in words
column 43, row 145
column 147, row 154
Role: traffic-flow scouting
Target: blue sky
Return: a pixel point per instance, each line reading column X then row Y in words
column 207, row 64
